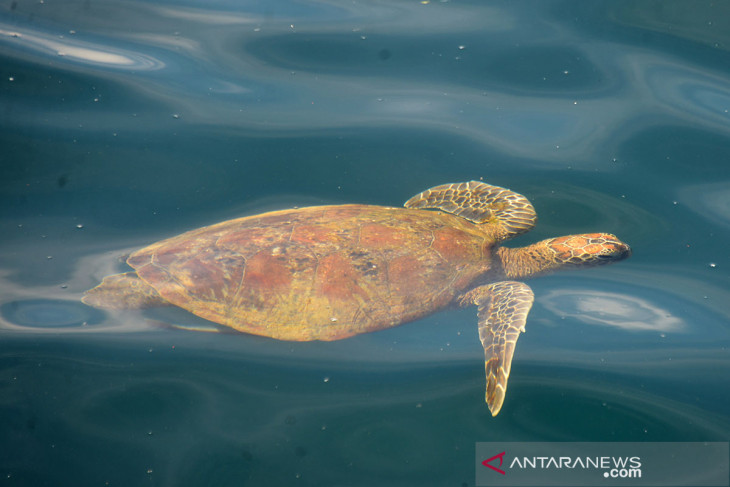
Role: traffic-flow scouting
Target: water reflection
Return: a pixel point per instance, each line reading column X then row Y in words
column 698, row 93
column 611, row 309
column 574, row 209
column 47, row 313
column 709, row 201
column 604, row 407
column 74, row 50
column 56, row 308
column 702, row 23
column 262, row 69
column 181, row 414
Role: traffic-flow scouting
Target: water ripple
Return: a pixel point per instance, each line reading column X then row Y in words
column 48, row 313
column 76, row 51
column 611, row 309
column 711, row 201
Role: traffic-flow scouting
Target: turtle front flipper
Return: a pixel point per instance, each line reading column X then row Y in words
column 508, row 213
column 503, row 308
column 124, row 291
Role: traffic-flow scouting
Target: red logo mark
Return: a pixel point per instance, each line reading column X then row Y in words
column 501, row 458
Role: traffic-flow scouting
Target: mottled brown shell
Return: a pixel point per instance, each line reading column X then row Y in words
column 321, row 272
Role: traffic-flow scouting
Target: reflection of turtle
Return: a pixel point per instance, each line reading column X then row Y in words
column 330, row 272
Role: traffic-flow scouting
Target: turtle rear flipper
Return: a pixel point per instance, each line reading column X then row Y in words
column 124, row 291
column 503, row 308
column 507, row 213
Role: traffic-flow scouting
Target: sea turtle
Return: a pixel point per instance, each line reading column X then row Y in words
column 331, row 272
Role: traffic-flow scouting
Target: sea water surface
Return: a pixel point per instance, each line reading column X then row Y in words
column 125, row 122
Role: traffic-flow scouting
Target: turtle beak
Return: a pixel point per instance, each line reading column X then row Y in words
column 625, row 252
column 614, row 249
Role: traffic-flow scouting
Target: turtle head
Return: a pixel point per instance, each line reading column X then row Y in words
column 571, row 251
column 586, row 250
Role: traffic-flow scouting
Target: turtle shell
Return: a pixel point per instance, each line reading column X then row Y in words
column 318, row 273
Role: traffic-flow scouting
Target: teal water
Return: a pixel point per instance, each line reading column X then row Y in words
column 125, row 122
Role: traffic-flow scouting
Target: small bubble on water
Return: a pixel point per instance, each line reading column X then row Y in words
column 712, row 265
column 175, row 115
column 11, row 79
column 326, row 379
column 79, row 226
